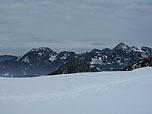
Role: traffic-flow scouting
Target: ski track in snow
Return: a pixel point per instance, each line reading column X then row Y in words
column 64, row 94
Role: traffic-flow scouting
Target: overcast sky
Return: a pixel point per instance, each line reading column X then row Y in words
column 78, row 25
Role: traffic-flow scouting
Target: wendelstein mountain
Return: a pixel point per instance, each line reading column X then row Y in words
column 40, row 61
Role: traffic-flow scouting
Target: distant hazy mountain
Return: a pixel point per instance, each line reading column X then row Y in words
column 75, row 66
column 146, row 62
column 6, row 57
column 39, row 61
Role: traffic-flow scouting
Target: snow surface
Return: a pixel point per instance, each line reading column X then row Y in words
column 96, row 61
column 52, row 58
column 86, row 93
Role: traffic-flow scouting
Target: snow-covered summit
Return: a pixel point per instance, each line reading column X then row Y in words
column 121, row 46
column 42, row 49
column 38, row 54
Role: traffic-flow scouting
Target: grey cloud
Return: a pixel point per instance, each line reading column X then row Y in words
column 74, row 24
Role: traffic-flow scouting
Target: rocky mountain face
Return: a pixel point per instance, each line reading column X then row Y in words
column 147, row 50
column 40, row 61
column 146, row 62
column 75, row 66
column 114, row 59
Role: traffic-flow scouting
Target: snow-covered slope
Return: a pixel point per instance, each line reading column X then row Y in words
column 86, row 93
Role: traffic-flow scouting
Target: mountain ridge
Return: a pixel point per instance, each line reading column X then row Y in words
column 75, row 66
column 43, row 60
column 145, row 62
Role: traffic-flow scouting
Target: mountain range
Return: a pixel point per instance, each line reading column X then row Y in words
column 40, row 61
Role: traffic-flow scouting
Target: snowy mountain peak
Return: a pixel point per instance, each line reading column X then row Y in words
column 38, row 55
column 121, row 46
column 41, row 49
